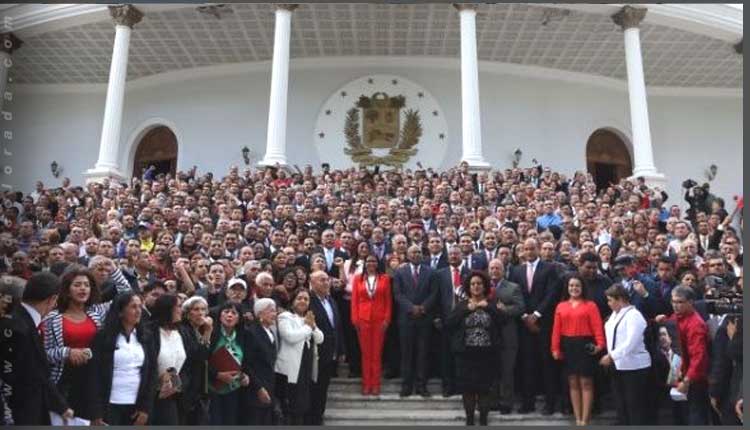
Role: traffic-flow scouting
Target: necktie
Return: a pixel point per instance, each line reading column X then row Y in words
column 529, row 275
column 415, row 273
column 456, row 277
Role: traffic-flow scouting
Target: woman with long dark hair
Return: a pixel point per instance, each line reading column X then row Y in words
column 69, row 333
column 123, row 367
column 474, row 326
column 371, row 310
column 171, row 355
column 577, row 337
column 296, row 363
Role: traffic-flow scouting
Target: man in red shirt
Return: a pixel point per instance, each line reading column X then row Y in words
column 693, row 333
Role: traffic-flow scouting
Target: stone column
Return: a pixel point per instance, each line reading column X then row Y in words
column 276, row 135
column 108, row 165
column 8, row 43
column 471, row 124
column 629, row 18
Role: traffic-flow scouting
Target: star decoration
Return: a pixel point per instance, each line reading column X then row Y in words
column 435, row 113
column 321, row 135
column 394, row 82
column 441, row 136
column 328, row 112
column 420, row 94
column 370, row 81
column 343, row 94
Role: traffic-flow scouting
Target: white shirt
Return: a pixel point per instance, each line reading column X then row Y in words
column 325, row 301
column 171, row 351
column 270, row 334
column 126, row 370
column 629, row 352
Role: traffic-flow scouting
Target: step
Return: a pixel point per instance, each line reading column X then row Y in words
column 447, row 417
column 348, row 400
column 388, row 386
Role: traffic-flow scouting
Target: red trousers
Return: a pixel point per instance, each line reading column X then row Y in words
column 371, row 337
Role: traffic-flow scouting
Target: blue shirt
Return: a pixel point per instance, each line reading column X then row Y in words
column 543, row 222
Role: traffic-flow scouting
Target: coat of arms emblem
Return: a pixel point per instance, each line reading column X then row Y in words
column 381, row 129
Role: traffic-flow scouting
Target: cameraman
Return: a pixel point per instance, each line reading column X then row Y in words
column 699, row 201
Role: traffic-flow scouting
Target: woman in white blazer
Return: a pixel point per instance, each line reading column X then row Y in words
column 297, row 360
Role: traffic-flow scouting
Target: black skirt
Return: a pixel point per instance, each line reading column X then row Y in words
column 576, row 361
column 475, row 368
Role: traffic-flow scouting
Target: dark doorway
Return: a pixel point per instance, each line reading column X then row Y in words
column 157, row 148
column 607, row 158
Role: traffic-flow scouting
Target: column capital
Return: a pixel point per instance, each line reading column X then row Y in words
column 629, row 17
column 738, row 47
column 287, row 6
column 9, row 42
column 125, row 14
column 465, row 6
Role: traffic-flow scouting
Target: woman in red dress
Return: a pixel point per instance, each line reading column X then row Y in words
column 577, row 337
column 371, row 315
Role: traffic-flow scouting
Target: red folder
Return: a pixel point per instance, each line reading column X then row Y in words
column 223, row 361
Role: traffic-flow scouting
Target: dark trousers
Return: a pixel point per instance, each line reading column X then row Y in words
column 319, row 393
column 392, row 351
column 629, row 387
column 447, row 361
column 166, row 412
column 415, row 345
column 538, row 369
column 262, row 415
column 505, row 378
column 198, row 415
column 119, row 415
column 698, row 404
column 353, row 354
column 225, row 409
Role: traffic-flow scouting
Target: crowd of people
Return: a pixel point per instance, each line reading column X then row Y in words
column 232, row 301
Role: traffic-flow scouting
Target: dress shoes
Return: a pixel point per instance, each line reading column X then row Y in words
column 405, row 392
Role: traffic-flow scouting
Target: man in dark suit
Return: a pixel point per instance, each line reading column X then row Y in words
column 510, row 306
column 332, row 350
column 437, row 258
column 540, row 287
column 472, row 260
column 262, row 357
column 415, row 298
column 25, row 370
column 331, row 253
column 447, row 281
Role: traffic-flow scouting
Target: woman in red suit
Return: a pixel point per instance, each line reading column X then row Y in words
column 371, row 315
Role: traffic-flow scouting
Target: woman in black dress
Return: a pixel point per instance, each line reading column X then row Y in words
column 474, row 328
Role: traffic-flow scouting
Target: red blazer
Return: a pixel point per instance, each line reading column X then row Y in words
column 377, row 309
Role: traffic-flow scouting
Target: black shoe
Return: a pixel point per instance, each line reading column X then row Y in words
column 424, row 393
column 470, row 419
column 390, row 374
column 446, row 392
column 505, row 410
column 548, row 410
column 483, row 418
column 527, row 409
column 405, row 392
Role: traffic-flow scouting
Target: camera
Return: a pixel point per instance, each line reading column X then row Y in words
column 689, row 183
column 590, row 348
column 720, row 299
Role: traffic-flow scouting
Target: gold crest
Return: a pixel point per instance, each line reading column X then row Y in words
column 381, row 130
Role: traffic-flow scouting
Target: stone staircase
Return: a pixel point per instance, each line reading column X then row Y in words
column 347, row 406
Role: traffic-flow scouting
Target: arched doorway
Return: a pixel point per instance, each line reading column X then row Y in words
column 158, row 148
column 607, row 158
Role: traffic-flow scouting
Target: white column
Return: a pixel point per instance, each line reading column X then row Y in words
column 276, row 135
column 643, row 155
column 125, row 17
column 471, row 124
column 8, row 43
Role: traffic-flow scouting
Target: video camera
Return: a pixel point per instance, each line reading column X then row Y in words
column 722, row 299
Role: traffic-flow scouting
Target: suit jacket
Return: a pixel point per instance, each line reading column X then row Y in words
column 337, row 252
column 262, row 356
column 377, row 309
column 478, row 261
column 545, row 289
column 194, row 387
column 408, row 294
column 510, row 295
column 333, row 344
column 443, row 283
column 102, row 369
column 442, row 261
column 25, row 371
column 293, row 333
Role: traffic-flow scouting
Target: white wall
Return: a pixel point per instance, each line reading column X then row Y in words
column 214, row 117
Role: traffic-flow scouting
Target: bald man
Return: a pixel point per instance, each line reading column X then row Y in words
column 415, row 300
column 540, row 287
